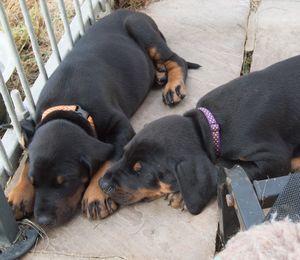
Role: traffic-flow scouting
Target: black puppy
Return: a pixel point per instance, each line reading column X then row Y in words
column 82, row 115
column 253, row 121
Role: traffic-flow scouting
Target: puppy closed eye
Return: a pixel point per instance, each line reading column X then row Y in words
column 137, row 167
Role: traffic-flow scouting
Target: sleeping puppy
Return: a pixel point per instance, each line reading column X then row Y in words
column 82, row 116
column 253, row 121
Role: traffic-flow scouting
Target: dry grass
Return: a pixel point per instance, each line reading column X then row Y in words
column 131, row 4
column 22, row 39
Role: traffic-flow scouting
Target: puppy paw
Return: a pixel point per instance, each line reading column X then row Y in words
column 96, row 204
column 161, row 76
column 174, row 93
column 175, row 90
column 21, row 200
column 176, row 200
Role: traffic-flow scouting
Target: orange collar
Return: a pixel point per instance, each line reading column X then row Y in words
column 74, row 108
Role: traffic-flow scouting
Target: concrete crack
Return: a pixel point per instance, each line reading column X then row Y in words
column 250, row 39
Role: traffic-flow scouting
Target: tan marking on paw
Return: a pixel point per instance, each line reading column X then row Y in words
column 21, row 197
column 95, row 203
column 175, row 86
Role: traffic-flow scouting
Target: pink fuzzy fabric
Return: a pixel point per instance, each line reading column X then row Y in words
column 276, row 240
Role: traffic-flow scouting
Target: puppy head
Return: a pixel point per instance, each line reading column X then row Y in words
column 166, row 156
column 138, row 176
column 62, row 158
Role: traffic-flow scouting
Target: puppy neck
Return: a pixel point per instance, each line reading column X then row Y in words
column 72, row 117
column 204, row 132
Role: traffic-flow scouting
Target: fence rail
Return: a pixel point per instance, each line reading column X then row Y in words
column 86, row 13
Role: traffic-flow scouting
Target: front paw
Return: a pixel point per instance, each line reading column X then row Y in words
column 21, row 200
column 96, row 204
column 174, row 92
column 176, row 200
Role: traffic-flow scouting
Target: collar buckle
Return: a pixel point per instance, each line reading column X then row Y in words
column 81, row 112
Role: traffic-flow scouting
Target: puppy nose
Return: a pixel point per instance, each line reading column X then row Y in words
column 106, row 186
column 44, row 220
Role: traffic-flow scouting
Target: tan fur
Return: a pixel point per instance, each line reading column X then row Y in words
column 151, row 194
column 295, row 164
column 94, row 194
column 176, row 200
column 175, row 78
column 154, row 54
column 21, row 197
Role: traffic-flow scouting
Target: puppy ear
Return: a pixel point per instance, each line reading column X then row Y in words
column 87, row 164
column 28, row 129
column 197, row 182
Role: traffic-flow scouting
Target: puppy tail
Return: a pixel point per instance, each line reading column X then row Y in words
column 192, row 65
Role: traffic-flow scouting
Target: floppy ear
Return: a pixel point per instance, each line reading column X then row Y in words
column 86, row 163
column 97, row 152
column 197, row 182
column 28, row 129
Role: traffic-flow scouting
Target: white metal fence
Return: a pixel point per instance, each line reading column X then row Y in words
column 86, row 13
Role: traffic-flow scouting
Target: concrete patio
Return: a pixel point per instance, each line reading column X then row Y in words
column 213, row 34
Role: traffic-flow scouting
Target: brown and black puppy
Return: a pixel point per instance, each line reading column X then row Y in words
column 82, row 117
column 259, row 121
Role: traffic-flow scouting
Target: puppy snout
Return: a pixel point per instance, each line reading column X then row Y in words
column 106, row 185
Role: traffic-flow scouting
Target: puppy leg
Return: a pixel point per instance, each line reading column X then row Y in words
column 147, row 35
column 175, row 89
column 21, row 198
column 122, row 133
column 95, row 203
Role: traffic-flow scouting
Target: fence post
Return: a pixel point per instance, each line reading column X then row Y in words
column 21, row 73
column 8, row 226
column 34, row 42
column 10, row 108
column 79, row 14
column 49, row 28
column 64, row 18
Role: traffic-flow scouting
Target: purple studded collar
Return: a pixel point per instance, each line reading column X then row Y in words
column 214, row 127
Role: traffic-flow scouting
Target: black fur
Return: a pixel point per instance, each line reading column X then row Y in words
column 259, row 117
column 108, row 74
